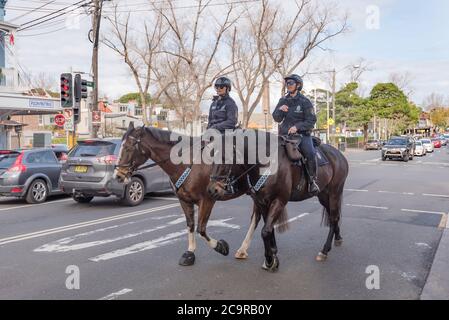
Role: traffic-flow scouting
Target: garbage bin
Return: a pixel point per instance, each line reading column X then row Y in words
column 342, row 146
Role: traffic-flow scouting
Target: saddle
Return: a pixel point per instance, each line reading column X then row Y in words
column 291, row 144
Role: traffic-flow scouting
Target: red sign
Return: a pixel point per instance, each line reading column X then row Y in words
column 96, row 117
column 59, row 120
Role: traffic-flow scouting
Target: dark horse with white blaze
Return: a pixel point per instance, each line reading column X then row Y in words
column 189, row 181
column 272, row 192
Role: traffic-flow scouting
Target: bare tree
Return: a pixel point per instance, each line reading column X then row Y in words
column 187, row 42
column 311, row 27
column 432, row 101
column 139, row 55
column 271, row 43
column 404, row 81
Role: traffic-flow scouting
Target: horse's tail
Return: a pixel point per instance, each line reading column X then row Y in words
column 282, row 223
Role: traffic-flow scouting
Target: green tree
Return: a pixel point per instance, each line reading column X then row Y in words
column 389, row 102
column 440, row 117
column 134, row 96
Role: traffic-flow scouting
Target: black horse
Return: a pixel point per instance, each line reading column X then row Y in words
column 272, row 192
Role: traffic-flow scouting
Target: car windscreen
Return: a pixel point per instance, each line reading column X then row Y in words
column 93, row 149
column 418, row 143
column 394, row 142
column 425, row 141
column 372, row 141
column 7, row 160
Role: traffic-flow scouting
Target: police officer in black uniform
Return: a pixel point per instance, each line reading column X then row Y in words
column 223, row 113
column 296, row 114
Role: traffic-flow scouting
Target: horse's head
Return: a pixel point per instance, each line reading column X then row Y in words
column 132, row 153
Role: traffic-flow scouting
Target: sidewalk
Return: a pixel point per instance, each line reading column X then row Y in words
column 437, row 284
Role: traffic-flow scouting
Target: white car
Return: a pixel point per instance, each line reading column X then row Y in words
column 428, row 144
column 420, row 150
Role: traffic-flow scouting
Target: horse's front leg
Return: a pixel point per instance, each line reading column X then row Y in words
column 204, row 211
column 188, row 258
column 242, row 252
column 276, row 209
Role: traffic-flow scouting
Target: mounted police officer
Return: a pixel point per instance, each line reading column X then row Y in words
column 297, row 116
column 223, row 113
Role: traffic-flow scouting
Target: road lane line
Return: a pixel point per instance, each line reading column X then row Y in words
column 158, row 242
column 292, row 219
column 356, row 190
column 115, row 295
column 422, row 211
column 164, row 198
column 435, row 195
column 37, row 204
column 64, row 245
column 365, row 206
column 42, row 233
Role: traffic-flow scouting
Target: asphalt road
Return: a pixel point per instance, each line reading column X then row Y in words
column 391, row 215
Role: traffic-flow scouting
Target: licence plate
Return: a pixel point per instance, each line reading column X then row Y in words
column 81, row 169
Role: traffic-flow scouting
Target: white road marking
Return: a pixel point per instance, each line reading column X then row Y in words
column 424, row 245
column 37, row 204
column 364, row 206
column 158, row 242
column 46, row 232
column 356, row 190
column 115, row 295
column 164, row 198
column 292, row 219
column 382, row 191
column 62, row 245
column 422, row 211
column 435, row 195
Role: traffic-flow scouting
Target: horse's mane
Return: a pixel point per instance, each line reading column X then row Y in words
column 162, row 135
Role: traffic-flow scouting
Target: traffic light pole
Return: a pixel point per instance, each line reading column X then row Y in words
column 96, row 21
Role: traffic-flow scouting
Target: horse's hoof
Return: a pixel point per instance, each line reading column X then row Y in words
column 321, row 257
column 338, row 243
column 273, row 267
column 222, row 247
column 240, row 254
column 187, row 259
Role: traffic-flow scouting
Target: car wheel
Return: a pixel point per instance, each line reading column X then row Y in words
column 134, row 192
column 411, row 157
column 82, row 199
column 384, row 158
column 405, row 158
column 37, row 192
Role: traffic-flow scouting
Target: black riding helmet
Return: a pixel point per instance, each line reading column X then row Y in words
column 295, row 78
column 223, row 81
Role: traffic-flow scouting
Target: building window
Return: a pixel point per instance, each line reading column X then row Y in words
column 138, row 111
column 52, row 120
column 123, row 109
column 41, row 120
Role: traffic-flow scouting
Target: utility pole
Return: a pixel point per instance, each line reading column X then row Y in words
column 333, row 99
column 96, row 21
column 327, row 106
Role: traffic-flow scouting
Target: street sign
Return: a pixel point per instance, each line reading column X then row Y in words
column 96, row 117
column 90, row 84
column 69, row 121
column 60, row 120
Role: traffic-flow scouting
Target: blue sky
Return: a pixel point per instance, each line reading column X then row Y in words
column 413, row 37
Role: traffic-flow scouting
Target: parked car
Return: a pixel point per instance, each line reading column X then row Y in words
column 420, row 150
column 373, row 145
column 398, row 147
column 436, row 142
column 443, row 140
column 29, row 174
column 88, row 173
column 427, row 143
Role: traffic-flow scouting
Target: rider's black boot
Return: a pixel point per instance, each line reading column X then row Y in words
column 311, row 169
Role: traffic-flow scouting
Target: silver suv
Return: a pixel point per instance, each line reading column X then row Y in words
column 88, row 172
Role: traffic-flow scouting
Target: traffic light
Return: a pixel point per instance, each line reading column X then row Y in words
column 80, row 88
column 66, row 90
